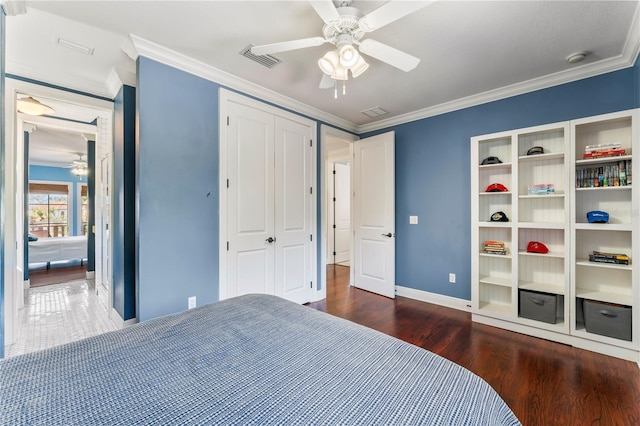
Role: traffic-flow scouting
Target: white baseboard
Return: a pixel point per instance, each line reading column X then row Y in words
column 26, row 284
column 119, row 322
column 436, row 299
column 91, row 275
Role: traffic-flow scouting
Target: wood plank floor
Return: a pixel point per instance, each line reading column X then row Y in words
column 57, row 275
column 544, row 383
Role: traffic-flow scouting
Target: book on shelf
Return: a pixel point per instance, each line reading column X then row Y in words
column 488, row 251
column 604, row 153
column 602, row 146
column 616, row 258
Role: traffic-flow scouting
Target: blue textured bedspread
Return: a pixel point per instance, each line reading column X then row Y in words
column 253, row 359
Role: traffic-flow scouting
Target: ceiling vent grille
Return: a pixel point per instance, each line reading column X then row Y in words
column 374, row 112
column 268, row 61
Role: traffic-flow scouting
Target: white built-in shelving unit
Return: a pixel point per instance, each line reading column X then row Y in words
column 559, row 221
column 600, row 282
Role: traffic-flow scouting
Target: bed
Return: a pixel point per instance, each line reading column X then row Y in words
column 253, row 359
column 47, row 250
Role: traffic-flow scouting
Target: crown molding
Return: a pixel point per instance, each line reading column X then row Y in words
column 182, row 62
column 590, row 70
column 626, row 59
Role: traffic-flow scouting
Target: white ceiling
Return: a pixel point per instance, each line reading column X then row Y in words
column 470, row 51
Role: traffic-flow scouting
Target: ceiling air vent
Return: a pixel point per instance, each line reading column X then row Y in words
column 268, row 61
column 374, row 112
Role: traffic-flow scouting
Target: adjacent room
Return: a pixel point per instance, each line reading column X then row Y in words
column 320, row 212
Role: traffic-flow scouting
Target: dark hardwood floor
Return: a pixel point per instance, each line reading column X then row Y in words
column 544, row 383
column 57, row 275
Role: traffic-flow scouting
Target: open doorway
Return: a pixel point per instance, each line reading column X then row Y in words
column 47, row 160
column 336, row 154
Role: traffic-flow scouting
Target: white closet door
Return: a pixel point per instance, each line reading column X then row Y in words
column 293, row 216
column 374, row 214
column 250, row 203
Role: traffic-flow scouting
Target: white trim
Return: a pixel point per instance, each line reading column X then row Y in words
column 182, row 62
column 562, row 77
column 436, row 299
column 26, row 285
column 117, row 320
column 91, row 275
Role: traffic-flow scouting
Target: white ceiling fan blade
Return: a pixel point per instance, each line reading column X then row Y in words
column 389, row 12
column 327, row 82
column 284, row 46
column 388, row 54
column 326, row 10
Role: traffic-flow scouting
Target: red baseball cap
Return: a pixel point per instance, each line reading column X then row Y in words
column 537, row 247
column 496, row 187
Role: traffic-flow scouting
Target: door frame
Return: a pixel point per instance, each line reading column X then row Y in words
column 14, row 157
column 326, row 132
column 226, row 96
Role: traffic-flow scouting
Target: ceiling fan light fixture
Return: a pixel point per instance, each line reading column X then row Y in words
column 31, row 106
column 80, row 171
column 360, row 67
column 340, row 73
column 329, row 62
column 348, row 56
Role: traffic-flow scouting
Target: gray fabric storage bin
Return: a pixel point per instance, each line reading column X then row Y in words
column 607, row 320
column 537, row 306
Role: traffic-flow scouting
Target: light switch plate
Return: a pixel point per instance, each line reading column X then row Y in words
column 413, row 220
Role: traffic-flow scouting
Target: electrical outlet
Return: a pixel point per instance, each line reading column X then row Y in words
column 452, row 278
column 413, row 220
column 192, row 302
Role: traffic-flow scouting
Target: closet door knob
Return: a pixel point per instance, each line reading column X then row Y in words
column 270, row 240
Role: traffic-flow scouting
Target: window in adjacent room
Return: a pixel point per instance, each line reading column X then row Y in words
column 84, row 210
column 48, row 210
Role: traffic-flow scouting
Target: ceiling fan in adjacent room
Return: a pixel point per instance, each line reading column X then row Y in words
column 79, row 167
column 345, row 27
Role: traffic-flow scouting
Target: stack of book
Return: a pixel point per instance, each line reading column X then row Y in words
column 540, row 189
column 603, row 150
column 618, row 259
column 494, row 247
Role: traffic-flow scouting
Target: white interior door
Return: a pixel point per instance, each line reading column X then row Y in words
column 250, row 202
column 293, row 216
column 374, row 214
column 342, row 213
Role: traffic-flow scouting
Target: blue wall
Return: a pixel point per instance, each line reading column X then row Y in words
column 176, row 189
column 63, row 175
column 123, row 222
column 433, row 172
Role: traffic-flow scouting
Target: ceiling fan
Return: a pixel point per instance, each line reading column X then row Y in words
column 346, row 26
column 79, row 167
